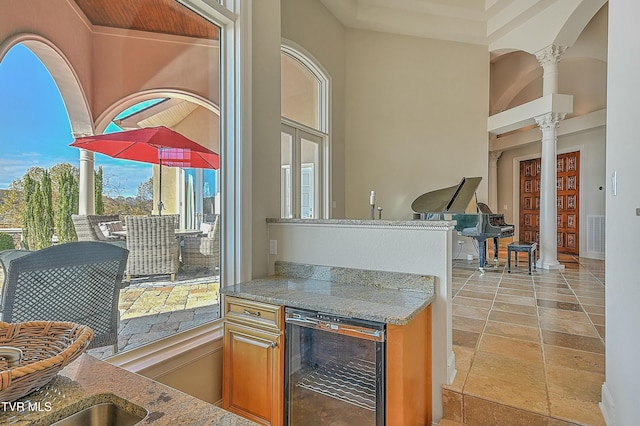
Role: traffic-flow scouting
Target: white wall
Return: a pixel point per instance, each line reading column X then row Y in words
column 265, row 139
column 418, row 247
column 416, row 119
column 622, row 388
column 308, row 24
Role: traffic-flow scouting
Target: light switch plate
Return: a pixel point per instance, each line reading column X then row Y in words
column 273, row 246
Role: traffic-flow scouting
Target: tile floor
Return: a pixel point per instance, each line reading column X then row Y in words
column 529, row 348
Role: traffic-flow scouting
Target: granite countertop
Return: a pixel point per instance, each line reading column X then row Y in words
column 410, row 223
column 389, row 297
column 88, row 381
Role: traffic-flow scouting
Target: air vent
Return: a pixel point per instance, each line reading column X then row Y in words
column 595, row 234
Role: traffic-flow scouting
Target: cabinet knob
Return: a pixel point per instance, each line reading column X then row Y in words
column 274, row 344
column 248, row 312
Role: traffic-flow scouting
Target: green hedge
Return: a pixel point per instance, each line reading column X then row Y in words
column 6, row 242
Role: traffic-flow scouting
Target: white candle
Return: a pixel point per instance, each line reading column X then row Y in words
column 372, row 198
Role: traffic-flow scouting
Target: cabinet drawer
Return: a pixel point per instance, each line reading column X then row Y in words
column 252, row 313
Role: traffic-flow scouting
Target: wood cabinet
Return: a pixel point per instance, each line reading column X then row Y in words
column 409, row 371
column 253, row 363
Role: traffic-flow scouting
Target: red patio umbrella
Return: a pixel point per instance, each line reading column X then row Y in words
column 155, row 145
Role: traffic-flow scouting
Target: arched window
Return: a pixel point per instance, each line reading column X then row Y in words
column 304, row 137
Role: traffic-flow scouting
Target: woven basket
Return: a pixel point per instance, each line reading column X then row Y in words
column 47, row 347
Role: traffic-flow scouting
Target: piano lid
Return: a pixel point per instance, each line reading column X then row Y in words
column 454, row 199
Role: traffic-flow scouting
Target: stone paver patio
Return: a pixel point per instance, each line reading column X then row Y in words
column 153, row 308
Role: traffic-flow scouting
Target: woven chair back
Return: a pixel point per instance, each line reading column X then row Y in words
column 78, row 282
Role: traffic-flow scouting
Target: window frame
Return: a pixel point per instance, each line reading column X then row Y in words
column 299, row 54
column 234, row 19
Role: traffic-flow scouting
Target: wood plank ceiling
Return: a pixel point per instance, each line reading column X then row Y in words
column 158, row 16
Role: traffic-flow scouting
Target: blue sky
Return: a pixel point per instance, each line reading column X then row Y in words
column 35, row 130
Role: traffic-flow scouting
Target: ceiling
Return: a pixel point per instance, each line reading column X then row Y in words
column 158, row 16
column 467, row 21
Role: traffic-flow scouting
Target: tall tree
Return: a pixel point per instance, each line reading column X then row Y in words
column 38, row 225
column 67, row 205
column 46, row 213
column 29, row 217
column 12, row 205
column 99, row 185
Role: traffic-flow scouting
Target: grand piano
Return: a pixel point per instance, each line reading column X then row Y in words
column 451, row 204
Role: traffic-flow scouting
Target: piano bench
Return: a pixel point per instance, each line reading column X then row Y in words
column 522, row 246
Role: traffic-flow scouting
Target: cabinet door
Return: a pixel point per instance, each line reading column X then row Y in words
column 252, row 374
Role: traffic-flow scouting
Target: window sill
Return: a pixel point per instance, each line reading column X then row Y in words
column 155, row 353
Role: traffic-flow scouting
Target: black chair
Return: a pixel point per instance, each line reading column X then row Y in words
column 78, row 282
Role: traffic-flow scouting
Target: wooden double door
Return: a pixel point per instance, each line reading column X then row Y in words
column 567, row 184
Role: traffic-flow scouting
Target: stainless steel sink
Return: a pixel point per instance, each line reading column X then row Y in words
column 104, row 414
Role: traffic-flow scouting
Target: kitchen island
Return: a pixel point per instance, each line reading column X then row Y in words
column 88, row 381
column 259, row 362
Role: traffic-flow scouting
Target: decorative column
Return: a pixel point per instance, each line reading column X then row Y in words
column 549, row 58
column 548, row 124
column 86, row 202
column 494, row 156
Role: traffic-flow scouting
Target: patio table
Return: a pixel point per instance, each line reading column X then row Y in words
column 179, row 233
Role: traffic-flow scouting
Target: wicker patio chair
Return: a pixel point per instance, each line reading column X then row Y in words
column 153, row 247
column 86, row 226
column 78, row 282
column 203, row 251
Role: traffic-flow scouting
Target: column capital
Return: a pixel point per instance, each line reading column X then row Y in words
column 550, row 120
column 494, row 156
column 550, row 55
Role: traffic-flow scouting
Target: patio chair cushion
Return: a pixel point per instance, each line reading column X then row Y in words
column 106, row 228
column 206, row 227
column 99, row 234
column 87, row 228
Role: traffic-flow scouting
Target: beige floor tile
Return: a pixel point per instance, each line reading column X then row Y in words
column 530, row 334
column 597, row 319
column 476, row 294
column 572, row 409
column 563, row 381
column 481, row 412
column 470, row 311
column 508, row 369
column 572, row 358
column 562, row 314
column 468, row 301
column 509, row 347
column 516, row 292
column 452, row 405
column 571, row 327
column 513, row 318
column 517, row 300
column 513, row 394
column 468, row 324
column 573, row 341
column 515, row 308
column 516, row 285
column 590, row 309
column 557, row 297
column 591, row 301
column 468, row 339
